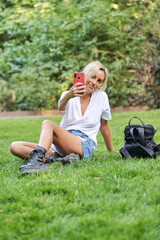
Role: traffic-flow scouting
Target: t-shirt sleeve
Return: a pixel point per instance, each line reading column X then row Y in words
column 106, row 113
column 62, row 95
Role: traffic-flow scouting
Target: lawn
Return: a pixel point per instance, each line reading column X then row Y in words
column 105, row 197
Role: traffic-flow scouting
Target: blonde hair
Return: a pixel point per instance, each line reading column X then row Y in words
column 92, row 68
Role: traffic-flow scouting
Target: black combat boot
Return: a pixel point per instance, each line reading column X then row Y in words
column 35, row 163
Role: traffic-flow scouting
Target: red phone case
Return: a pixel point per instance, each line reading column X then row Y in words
column 78, row 77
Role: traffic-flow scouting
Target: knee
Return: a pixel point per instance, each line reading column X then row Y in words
column 13, row 147
column 48, row 123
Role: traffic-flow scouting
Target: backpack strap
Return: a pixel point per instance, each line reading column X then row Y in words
column 150, row 152
column 141, row 135
column 124, row 153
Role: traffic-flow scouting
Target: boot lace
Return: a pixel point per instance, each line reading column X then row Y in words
column 36, row 155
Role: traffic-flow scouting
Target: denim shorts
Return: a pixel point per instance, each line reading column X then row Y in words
column 88, row 144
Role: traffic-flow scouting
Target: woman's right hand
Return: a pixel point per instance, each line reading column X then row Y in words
column 77, row 90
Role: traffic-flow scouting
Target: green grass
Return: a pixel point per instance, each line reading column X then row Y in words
column 100, row 198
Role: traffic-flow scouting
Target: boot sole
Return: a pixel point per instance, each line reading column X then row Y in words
column 25, row 171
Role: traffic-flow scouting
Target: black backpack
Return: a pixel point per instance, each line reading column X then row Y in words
column 139, row 141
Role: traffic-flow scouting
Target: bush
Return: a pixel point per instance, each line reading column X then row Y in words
column 42, row 45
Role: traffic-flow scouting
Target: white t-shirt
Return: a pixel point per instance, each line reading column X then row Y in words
column 89, row 123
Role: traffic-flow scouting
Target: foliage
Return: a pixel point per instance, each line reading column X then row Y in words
column 100, row 198
column 45, row 42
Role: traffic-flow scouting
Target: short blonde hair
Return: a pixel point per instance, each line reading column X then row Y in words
column 92, row 68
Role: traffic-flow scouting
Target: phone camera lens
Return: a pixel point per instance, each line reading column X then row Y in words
column 78, row 77
column 75, row 75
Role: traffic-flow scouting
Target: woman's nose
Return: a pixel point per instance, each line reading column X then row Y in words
column 94, row 81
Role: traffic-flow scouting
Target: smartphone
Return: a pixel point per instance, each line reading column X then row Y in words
column 78, row 77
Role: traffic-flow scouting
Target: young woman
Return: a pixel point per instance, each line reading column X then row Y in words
column 86, row 111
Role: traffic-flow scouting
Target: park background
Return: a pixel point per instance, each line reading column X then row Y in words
column 42, row 43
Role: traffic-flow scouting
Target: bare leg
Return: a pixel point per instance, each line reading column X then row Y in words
column 66, row 142
column 23, row 149
column 50, row 133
